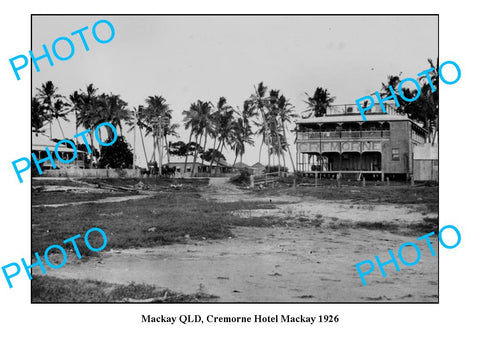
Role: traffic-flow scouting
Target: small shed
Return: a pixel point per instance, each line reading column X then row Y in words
column 258, row 168
column 425, row 162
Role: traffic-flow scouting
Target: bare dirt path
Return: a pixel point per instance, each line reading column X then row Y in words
column 273, row 265
column 280, row 264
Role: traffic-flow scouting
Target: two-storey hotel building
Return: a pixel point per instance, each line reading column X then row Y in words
column 342, row 143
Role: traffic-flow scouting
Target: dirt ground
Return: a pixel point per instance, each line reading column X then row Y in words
column 288, row 263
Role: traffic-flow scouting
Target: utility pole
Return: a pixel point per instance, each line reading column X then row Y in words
column 160, row 137
column 134, row 137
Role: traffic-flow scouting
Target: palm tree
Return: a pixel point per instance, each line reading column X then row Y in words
column 278, row 148
column 258, row 99
column 203, row 112
column 139, row 120
column 430, row 100
column 191, row 121
column 272, row 115
column 112, row 109
column 37, row 115
column 285, row 115
column 425, row 107
column 48, row 95
column 88, row 114
column 76, row 104
column 240, row 137
column 319, row 102
column 209, row 130
column 223, row 118
column 158, row 115
column 60, row 110
column 170, row 130
column 243, row 131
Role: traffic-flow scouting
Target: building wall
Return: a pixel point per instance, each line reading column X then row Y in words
column 425, row 170
column 399, row 139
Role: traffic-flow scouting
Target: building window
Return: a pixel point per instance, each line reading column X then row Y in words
column 395, row 154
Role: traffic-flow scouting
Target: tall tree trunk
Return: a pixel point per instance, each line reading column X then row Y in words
column 186, row 155
column 235, row 161
column 260, row 152
column 213, row 155
column 154, row 143
column 160, row 153
column 288, row 147
column 196, row 153
column 218, row 157
column 94, row 157
column 143, row 145
column 61, row 129
column 204, row 146
column 267, row 137
column 167, row 147
column 279, row 150
column 76, row 127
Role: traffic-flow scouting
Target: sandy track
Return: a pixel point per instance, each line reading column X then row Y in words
column 273, row 265
column 280, row 264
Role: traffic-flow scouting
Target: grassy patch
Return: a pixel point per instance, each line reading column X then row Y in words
column 159, row 220
column 54, row 182
column 412, row 229
column 426, row 197
column 152, row 182
column 60, row 197
column 48, row 289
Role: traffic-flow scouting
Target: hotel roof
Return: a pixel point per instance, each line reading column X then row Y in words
column 353, row 118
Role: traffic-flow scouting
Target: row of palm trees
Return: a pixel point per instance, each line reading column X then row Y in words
column 220, row 124
column 267, row 109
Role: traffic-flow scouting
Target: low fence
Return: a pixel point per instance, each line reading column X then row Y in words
column 94, row 172
column 207, row 174
column 266, row 178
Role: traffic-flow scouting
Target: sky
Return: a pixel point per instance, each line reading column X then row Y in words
column 186, row 58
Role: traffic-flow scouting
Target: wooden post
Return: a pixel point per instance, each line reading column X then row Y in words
column 382, row 177
column 252, row 181
column 134, row 138
column 316, row 174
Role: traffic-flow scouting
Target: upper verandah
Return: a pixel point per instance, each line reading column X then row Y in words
column 349, row 113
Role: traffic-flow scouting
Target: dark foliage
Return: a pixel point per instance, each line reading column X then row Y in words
column 117, row 155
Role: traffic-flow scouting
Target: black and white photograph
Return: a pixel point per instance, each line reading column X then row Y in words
column 235, row 158
column 238, row 174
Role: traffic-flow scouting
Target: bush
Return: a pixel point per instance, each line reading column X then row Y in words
column 275, row 169
column 243, row 178
column 117, row 155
